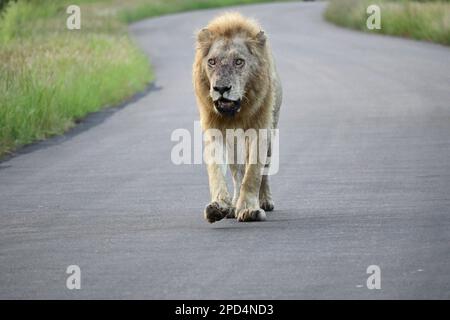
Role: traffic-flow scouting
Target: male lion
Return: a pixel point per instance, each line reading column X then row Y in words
column 237, row 87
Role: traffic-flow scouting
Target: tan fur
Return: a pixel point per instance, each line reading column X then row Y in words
column 259, row 109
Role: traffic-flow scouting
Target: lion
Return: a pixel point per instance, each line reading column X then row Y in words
column 237, row 87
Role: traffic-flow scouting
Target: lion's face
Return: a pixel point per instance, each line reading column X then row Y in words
column 229, row 65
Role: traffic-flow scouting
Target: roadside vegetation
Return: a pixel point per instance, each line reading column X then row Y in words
column 422, row 20
column 51, row 77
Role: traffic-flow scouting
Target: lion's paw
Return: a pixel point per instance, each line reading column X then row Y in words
column 266, row 204
column 246, row 215
column 232, row 213
column 215, row 211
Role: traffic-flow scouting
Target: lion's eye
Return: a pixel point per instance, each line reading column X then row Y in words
column 212, row 62
column 239, row 62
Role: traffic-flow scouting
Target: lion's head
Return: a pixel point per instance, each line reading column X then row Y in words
column 230, row 56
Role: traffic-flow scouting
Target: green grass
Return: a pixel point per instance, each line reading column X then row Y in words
column 421, row 20
column 50, row 84
column 51, row 77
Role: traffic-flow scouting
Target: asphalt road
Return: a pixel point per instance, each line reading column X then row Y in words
column 364, row 180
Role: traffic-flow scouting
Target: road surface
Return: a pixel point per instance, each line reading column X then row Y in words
column 364, row 180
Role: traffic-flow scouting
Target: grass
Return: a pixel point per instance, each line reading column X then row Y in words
column 421, row 20
column 146, row 9
column 51, row 77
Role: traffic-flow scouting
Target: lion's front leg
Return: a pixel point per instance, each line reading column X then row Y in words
column 237, row 172
column 220, row 205
column 247, row 207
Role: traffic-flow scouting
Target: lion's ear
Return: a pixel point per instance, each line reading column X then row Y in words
column 261, row 38
column 204, row 40
column 257, row 43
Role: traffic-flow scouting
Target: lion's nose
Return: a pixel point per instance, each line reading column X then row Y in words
column 222, row 90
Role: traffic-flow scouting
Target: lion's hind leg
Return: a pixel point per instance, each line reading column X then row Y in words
column 265, row 195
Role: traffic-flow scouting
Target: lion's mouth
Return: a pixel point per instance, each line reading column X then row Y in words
column 227, row 107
